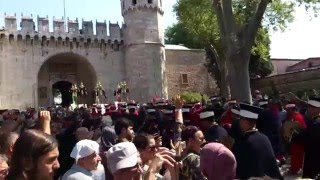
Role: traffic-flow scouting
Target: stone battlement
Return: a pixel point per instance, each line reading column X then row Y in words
column 134, row 5
column 61, row 31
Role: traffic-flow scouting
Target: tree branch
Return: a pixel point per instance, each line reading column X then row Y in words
column 228, row 17
column 255, row 22
column 220, row 18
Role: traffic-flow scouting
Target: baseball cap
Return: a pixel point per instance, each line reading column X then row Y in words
column 84, row 148
column 122, row 155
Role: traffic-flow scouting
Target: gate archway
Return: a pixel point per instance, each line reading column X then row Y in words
column 65, row 67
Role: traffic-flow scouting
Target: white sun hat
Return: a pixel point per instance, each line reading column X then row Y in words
column 122, row 155
column 84, row 148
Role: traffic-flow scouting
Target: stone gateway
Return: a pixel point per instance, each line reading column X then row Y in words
column 36, row 65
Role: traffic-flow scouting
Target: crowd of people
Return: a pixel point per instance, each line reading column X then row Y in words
column 219, row 140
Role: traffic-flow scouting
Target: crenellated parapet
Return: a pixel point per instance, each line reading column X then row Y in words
column 61, row 31
column 60, row 42
column 132, row 5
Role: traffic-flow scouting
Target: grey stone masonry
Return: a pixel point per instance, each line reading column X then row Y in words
column 59, row 29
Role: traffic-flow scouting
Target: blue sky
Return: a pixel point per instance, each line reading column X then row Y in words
column 300, row 40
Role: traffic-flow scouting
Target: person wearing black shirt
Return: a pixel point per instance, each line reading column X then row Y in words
column 254, row 153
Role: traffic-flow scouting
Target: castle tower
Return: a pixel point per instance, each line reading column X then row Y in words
column 143, row 33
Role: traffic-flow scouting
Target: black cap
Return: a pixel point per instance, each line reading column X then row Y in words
column 168, row 109
column 249, row 111
column 216, row 134
column 235, row 109
column 206, row 113
column 314, row 101
column 263, row 102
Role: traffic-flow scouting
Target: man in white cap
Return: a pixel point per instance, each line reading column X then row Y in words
column 86, row 155
column 254, row 153
column 124, row 162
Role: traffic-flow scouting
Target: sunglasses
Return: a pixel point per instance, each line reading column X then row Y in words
column 152, row 148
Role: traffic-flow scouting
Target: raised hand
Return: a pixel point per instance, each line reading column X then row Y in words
column 45, row 116
column 178, row 101
column 45, row 120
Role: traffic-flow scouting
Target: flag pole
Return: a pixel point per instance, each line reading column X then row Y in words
column 64, row 15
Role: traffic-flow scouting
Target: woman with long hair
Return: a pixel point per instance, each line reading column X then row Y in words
column 35, row 157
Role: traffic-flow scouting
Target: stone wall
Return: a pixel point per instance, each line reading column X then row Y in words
column 290, row 82
column 21, row 61
column 192, row 63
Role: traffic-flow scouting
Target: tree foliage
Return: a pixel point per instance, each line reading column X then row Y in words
column 189, row 96
column 260, row 64
column 232, row 31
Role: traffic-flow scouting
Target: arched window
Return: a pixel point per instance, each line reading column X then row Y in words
column 134, row 2
column 88, row 43
column 19, row 37
column 44, row 40
column 60, row 40
column 67, row 41
column 28, row 38
column 102, row 44
column 150, row 1
column 52, row 39
column 116, row 45
column 2, row 36
column 11, row 38
column 36, row 40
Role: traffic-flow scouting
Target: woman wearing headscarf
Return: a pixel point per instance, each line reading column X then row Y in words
column 217, row 162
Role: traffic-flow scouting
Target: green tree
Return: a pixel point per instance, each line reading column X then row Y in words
column 189, row 96
column 238, row 22
column 179, row 34
column 259, row 67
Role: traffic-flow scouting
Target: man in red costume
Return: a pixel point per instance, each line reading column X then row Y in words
column 296, row 147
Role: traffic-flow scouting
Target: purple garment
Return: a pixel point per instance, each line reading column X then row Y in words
column 217, row 162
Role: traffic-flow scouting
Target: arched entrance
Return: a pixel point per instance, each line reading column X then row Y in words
column 59, row 72
column 63, row 89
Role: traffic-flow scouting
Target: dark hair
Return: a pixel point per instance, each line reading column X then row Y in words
column 6, row 140
column 30, row 146
column 141, row 141
column 188, row 133
column 122, row 123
